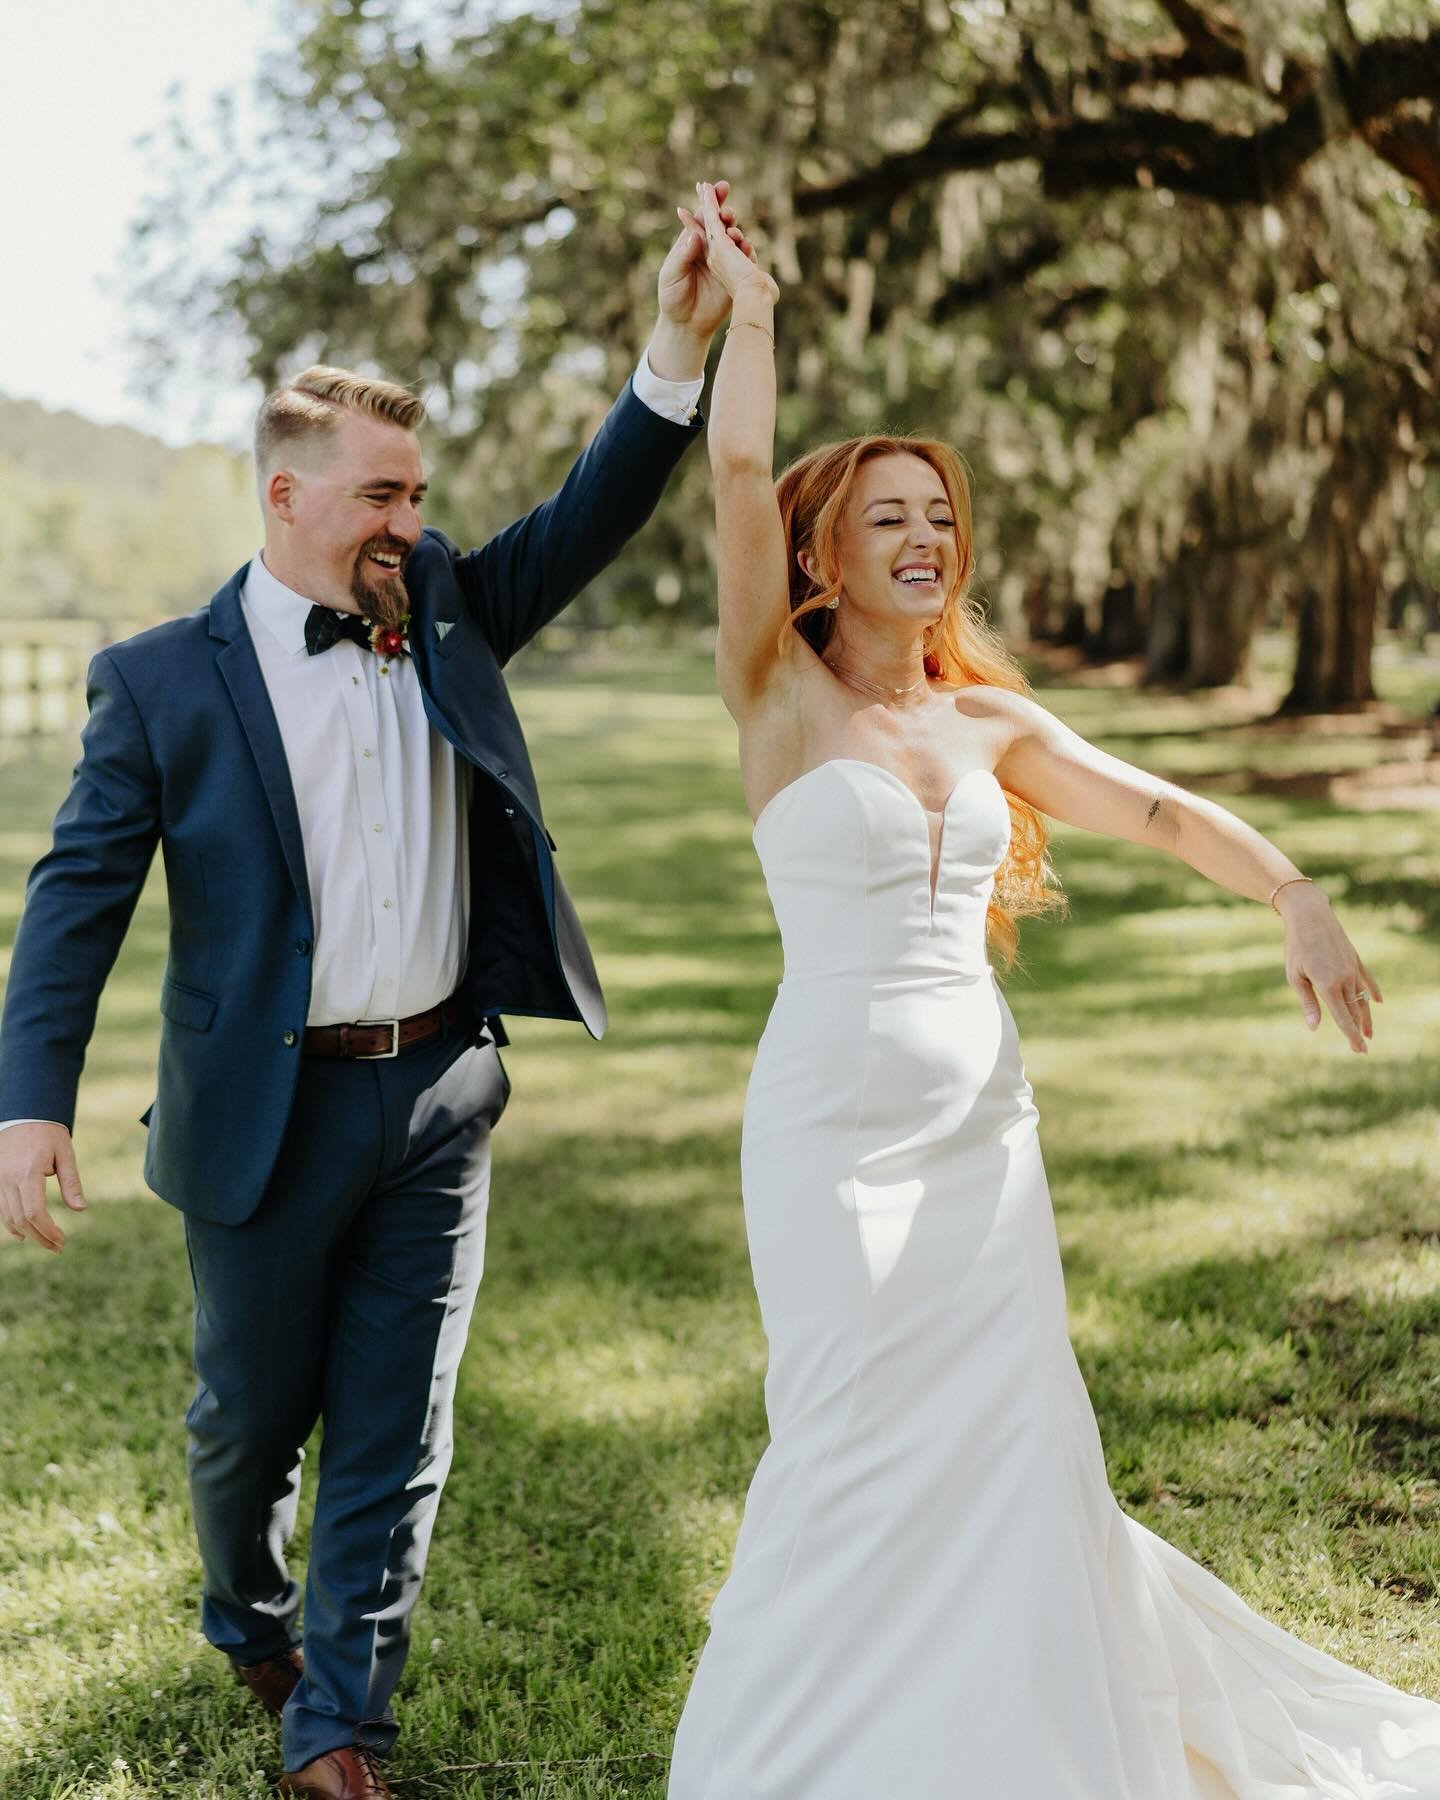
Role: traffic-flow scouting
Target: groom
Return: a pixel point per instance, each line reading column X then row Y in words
column 360, row 883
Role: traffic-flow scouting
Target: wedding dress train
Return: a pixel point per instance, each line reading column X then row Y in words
column 935, row 1596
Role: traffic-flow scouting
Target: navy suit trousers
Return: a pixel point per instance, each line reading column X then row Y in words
column 345, row 1298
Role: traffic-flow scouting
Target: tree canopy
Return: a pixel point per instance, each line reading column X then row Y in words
column 1166, row 273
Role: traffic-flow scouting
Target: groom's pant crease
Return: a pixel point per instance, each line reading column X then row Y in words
column 247, row 1423
column 346, row 1297
column 425, row 1230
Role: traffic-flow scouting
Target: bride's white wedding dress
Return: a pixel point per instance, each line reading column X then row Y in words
column 935, row 1596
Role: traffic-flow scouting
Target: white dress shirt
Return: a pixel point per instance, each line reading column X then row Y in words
column 382, row 799
column 384, row 805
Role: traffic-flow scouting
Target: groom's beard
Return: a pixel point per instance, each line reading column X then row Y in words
column 381, row 597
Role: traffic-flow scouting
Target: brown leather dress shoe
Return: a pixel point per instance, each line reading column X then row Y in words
column 273, row 1681
column 349, row 1774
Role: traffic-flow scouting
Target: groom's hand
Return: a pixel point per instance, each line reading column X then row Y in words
column 693, row 304
column 29, row 1156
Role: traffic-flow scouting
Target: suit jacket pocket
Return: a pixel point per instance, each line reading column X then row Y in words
column 186, row 1005
column 449, row 633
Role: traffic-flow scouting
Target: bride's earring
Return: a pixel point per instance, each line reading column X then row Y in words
column 832, row 604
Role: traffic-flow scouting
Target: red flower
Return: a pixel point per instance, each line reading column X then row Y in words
column 391, row 640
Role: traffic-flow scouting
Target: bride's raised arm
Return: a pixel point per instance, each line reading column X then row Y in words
column 752, row 578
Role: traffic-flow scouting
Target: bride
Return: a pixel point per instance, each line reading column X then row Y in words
column 934, row 1595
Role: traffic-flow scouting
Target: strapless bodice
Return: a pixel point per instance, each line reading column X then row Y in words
column 846, row 853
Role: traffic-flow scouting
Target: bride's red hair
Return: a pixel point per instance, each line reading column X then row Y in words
column 960, row 647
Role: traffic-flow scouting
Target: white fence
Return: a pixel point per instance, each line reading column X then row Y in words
column 42, row 674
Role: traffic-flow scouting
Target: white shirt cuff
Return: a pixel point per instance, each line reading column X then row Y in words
column 673, row 400
column 5, row 1124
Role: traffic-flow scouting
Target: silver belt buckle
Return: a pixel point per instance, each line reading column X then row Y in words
column 380, row 1055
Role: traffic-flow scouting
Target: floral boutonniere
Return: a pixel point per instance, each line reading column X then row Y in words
column 391, row 640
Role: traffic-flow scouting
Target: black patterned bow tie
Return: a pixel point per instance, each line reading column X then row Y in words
column 324, row 628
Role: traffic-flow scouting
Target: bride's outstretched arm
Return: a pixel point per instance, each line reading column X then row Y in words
column 1056, row 770
column 752, row 579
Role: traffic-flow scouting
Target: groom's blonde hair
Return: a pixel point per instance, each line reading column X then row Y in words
column 310, row 405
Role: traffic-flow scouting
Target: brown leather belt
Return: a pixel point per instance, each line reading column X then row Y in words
column 371, row 1039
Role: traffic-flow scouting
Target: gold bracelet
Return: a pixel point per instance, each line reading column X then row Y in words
column 757, row 326
column 1290, row 881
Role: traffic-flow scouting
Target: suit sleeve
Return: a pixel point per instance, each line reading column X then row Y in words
column 533, row 569
column 78, row 904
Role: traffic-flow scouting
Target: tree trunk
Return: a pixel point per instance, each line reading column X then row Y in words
column 1070, row 630
column 1344, row 553
column 1335, row 635
column 1206, row 603
column 1167, row 644
column 1226, row 611
column 1052, row 613
column 1121, row 630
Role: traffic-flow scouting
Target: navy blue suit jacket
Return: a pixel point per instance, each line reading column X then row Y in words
column 182, row 750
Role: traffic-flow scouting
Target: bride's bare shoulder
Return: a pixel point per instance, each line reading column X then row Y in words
column 1001, row 706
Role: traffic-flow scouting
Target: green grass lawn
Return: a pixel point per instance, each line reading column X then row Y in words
column 1250, row 1220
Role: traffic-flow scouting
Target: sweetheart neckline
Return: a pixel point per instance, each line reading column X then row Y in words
column 861, row 762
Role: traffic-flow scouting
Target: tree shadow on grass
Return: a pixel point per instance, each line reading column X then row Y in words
column 1344, row 1105
column 562, row 1607
column 1133, row 1179
column 1417, row 894
column 577, row 1208
column 1349, row 1362
column 1314, row 1111
column 560, row 1620
column 715, row 1012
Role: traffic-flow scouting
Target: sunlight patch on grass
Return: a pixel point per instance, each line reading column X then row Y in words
column 1101, row 1322
column 626, row 1380
column 654, row 972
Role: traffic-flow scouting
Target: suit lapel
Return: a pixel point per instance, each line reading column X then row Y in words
column 467, row 704
column 240, row 668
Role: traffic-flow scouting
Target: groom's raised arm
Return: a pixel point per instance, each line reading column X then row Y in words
column 531, row 570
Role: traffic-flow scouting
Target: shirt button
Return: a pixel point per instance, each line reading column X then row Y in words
column 367, row 752
column 377, row 827
column 387, row 904
column 289, row 1040
column 302, row 946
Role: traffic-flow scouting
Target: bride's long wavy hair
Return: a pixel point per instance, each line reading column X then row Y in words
column 961, row 646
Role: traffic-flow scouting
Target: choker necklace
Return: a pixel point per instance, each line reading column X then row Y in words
column 880, row 691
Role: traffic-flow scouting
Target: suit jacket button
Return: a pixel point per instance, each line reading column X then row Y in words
column 289, row 1040
column 302, row 946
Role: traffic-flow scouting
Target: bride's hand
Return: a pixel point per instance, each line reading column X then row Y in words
column 691, row 299
column 1322, row 964
column 729, row 255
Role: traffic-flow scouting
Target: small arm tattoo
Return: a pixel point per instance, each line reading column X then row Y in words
column 1154, row 808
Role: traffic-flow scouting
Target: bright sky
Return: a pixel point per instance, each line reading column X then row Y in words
column 87, row 78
